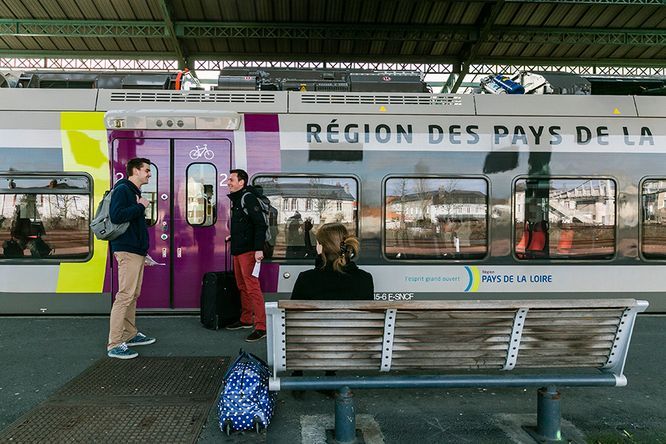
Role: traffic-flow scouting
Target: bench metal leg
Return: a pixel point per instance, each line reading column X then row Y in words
column 549, row 416
column 345, row 417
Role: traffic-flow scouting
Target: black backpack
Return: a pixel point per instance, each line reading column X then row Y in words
column 270, row 214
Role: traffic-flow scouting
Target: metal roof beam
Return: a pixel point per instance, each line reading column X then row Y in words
column 594, row 2
column 572, row 36
column 309, row 31
column 82, row 28
column 179, row 48
column 176, row 31
column 485, row 23
column 320, row 58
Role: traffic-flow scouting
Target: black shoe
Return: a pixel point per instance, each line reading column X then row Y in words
column 256, row 335
column 238, row 325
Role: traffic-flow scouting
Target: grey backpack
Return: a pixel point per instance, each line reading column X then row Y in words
column 102, row 226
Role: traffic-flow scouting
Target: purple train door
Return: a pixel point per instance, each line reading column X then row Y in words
column 188, row 216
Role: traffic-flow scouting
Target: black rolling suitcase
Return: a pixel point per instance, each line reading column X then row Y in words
column 220, row 300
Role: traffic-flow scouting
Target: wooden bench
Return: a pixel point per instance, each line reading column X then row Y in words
column 431, row 339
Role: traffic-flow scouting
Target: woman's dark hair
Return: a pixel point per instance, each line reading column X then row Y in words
column 338, row 246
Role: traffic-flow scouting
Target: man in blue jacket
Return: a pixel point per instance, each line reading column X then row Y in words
column 130, row 251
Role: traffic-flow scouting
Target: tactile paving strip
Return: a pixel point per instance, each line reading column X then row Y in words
column 134, row 401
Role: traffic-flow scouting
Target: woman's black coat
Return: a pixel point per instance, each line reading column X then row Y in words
column 328, row 284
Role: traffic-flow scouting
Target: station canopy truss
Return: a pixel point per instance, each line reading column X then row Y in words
column 456, row 40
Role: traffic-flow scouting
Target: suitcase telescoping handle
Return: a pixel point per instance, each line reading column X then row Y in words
column 227, row 254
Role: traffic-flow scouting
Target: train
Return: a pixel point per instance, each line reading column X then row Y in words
column 451, row 196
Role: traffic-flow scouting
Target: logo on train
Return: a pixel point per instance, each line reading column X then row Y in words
column 474, row 279
column 201, row 151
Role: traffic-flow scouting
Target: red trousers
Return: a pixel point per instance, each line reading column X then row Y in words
column 252, row 300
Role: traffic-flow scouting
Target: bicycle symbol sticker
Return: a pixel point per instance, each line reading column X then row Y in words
column 201, row 151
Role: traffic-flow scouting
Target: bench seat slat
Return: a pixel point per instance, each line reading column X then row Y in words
column 457, row 363
column 338, row 314
column 450, row 323
column 582, row 331
column 371, row 364
column 454, row 331
column 455, row 314
column 396, row 347
column 597, row 313
column 575, row 322
column 326, row 339
column 333, row 331
column 335, row 323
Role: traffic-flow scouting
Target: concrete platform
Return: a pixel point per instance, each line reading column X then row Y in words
column 39, row 355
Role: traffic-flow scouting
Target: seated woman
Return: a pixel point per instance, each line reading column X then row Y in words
column 335, row 276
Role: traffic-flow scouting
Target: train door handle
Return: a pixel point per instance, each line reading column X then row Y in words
column 179, row 252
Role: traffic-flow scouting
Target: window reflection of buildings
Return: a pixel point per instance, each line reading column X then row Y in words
column 654, row 201
column 320, row 202
column 588, row 203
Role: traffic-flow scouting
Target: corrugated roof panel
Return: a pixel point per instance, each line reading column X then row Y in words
column 43, row 10
column 106, row 10
column 455, row 13
column 281, row 10
column 89, row 9
column 638, row 16
column 471, row 14
column 421, row 13
column 555, row 16
column 438, row 48
column 299, row 10
column 71, row 10
column 386, row 15
column 110, row 44
column 377, row 47
column 4, row 10
column 369, row 11
column 125, row 44
column 195, row 11
column 574, row 15
column 124, row 10
column 144, row 10
column 524, row 14
column 352, row 12
column 507, row 14
column 540, row 14
column 16, row 9
column 439, row 13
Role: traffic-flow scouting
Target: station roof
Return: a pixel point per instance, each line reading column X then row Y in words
column 564, row 32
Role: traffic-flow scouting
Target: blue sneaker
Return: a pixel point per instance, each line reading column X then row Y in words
column 122, row 352
column 140, row 339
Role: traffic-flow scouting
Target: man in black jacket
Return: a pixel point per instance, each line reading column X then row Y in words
column 130, row 250
column 248, row 234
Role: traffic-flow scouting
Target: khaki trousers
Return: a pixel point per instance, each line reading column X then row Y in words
column 122, row 326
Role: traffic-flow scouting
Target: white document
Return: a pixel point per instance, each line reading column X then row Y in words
column 256, row 269
column 149, row 261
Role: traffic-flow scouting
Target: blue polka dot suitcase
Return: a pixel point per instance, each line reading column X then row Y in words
column 245, row 402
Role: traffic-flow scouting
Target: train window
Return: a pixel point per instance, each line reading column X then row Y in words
column 436, row 218
column 313, row 201
column 653, row 199
column 564, row 218
column 201, row 194
column 149, row 191
column 45, row 217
